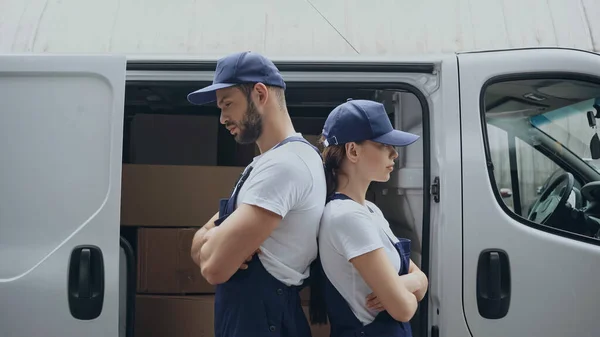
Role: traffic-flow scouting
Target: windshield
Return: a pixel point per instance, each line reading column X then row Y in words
column 569, row 126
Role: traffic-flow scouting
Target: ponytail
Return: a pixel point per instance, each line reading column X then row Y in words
column 332, row 160
column 317, row 308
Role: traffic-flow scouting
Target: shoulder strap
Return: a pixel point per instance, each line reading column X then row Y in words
column 341, row 196
column 298, row 139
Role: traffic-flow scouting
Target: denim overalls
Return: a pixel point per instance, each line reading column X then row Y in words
column 253, row 303
column 343, row 321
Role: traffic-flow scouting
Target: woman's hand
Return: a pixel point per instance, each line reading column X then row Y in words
column 415, row 282
column 422, row 281
column 391, row 291
column 373, row 303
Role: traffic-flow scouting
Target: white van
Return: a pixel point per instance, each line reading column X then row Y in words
column 524, row 263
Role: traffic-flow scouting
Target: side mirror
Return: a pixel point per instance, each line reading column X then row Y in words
column 595, row 146
column 595, row 141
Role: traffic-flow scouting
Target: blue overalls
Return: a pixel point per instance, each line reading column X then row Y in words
column 253, row 303
column 343, row 321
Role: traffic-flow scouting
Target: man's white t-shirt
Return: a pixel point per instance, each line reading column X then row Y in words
column 290, row 181
column 349, row 229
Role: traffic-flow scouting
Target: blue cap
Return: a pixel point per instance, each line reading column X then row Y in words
column 238, row 68
column 360, row 120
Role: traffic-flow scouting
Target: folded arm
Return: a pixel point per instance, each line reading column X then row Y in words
column 357, row 238
column 393, row 292
column 273, row 189
column 418, row 280
column 229, row 245
column 200, row 238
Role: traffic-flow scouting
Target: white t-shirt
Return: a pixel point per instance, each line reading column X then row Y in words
column 349, row 229
column 289, row 181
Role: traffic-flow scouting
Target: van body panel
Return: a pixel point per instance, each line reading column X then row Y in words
column 61, row 141
column 61, row 130
column 553, row 278
column 445, row 280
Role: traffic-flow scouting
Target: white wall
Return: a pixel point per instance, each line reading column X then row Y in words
column 294, row 27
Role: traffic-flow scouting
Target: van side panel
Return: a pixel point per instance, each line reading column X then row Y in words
column 61, row 126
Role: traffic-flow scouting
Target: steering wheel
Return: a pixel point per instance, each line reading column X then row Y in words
column 553, row 199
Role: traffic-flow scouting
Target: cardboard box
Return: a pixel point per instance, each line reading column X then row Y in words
column 173, row 139
column 184, row 316
column 174, row 316
column 173, row 195
column 165, row 265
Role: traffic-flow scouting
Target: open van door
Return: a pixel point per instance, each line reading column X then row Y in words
column 531, row 262
column 61, row 120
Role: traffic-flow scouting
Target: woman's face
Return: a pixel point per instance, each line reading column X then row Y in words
column 376, row 160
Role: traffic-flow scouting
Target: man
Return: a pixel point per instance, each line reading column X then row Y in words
column 274, row 210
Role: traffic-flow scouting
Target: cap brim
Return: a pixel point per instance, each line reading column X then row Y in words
column 397, row 138
column 207, row 94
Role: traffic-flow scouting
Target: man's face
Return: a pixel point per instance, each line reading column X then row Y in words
column 239, row 115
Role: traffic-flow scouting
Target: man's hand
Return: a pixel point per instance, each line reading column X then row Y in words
column 244, row 265
column 235, row 241
column 201, row 237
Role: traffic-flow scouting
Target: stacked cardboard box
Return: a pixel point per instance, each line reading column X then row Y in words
column 170, row 190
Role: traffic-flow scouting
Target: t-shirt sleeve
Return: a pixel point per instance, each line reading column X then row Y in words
column 353, row 234
column 279, row 184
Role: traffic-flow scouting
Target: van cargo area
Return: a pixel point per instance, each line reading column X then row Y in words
column 178, row 161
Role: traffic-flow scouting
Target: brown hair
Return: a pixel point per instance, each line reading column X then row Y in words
column 246, row 88
column 333, row 156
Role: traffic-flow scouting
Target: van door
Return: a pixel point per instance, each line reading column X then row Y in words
column 531, row 264
column 61, row 120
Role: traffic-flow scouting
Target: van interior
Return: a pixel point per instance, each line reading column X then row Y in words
column 178, row 161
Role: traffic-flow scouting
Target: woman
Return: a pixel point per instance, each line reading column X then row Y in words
column 371, row 287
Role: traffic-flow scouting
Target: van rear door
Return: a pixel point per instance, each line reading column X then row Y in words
column 61, row 120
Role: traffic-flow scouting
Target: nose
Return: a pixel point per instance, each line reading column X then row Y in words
column 222, row 118
column 393, row 153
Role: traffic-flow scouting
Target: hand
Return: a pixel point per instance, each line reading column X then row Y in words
column 373, row 303
column 424, row 283
column 199, row 240
column 244, row 265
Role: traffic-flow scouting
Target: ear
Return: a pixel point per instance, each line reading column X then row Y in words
column 261, row 94
column 352, row 151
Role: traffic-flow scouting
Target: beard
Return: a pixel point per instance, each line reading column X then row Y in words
column 251, row 126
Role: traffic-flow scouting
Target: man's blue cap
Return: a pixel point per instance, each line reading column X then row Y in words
column 360, row 120
column 238, row 68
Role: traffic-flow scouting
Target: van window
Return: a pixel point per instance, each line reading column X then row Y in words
column 538, row 135
column 498, row 141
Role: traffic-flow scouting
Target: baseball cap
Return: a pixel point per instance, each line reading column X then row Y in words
column 360, row 120
column 238, row 68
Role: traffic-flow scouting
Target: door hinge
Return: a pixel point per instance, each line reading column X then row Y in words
column 435, row 189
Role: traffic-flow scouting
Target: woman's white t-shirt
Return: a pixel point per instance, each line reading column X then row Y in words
column 349, row 229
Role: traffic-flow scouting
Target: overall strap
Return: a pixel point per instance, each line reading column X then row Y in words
column 298, row 139
column 227, row 206
column 342, row 196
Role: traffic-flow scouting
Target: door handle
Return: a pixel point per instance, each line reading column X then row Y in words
column 86, row 282
column 493, row 284
column 84, row 273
